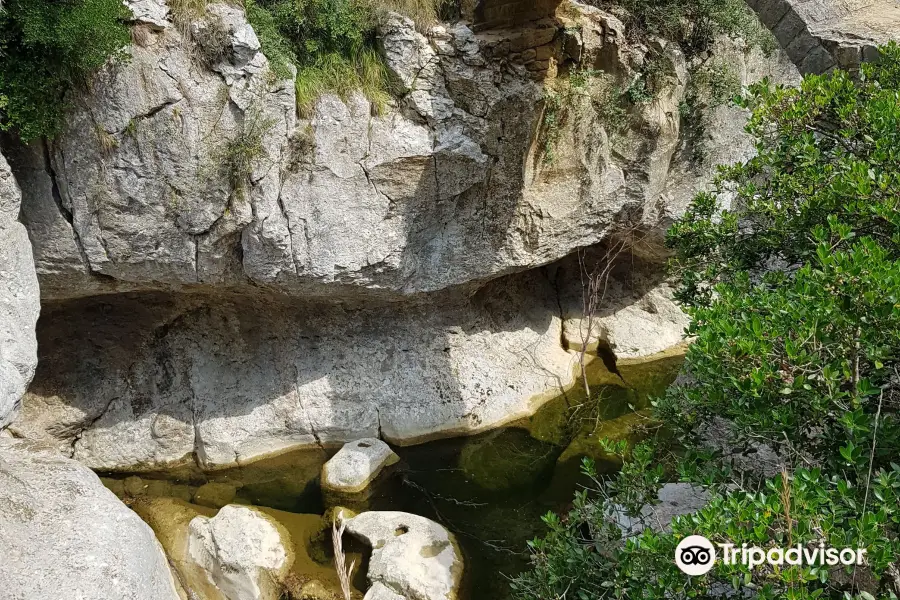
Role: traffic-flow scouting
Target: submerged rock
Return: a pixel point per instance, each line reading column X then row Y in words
column 379, row 591
column 244, row 553
column 507, row 459
column 587, row 443
column 215, row 495
column 349, row 476
column 64, row 535
column 412, row 556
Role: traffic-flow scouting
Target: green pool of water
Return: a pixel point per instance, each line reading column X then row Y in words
column 489, row 489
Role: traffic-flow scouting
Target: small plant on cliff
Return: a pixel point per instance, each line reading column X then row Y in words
column 795, row 299
column 241, row 153
column 565, row 94
column 712, row 85
column 46, row 50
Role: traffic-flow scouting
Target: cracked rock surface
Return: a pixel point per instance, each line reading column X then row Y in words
column 392, row 275
column 449, row 187
column 19, row 300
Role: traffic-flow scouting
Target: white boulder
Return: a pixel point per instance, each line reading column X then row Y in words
column 244, row 553
column 64, row 535
column 356, row 466
column 413, row 557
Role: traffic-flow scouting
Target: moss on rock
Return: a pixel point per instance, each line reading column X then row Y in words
column 507, row 459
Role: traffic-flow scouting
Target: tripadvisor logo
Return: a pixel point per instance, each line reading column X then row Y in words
column 696, row 555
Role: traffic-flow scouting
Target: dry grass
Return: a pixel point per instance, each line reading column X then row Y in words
column 141, row 35
column 212, row 38
column 185, row 11
column 425, row 13
column 338, row 526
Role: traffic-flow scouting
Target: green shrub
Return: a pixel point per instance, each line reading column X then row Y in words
column 274, row 45
column 332, row 43
column 318, row 28
column 693, row 23
column 241, row 153
column 584, row 556
column 48, row 48
column 794, row 296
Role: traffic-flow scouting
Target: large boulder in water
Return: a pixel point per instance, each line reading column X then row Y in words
column 413, row 557
column 244, row 553
column 64, row 535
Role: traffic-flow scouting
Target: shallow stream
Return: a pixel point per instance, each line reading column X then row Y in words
column 490, row 489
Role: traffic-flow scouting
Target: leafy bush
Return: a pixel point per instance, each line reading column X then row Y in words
column 46, row 49
column 693, row 23
column 794, row 295
column 584, row 555
column 332, row 43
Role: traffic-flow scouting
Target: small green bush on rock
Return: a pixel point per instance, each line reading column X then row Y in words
column 332, row 43
column 48, row 48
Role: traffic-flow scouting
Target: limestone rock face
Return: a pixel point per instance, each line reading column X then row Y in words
column 412, row 557
column 822, row 34
column 449, row 187
column 63, row 534
column 355, row 467
column 19, row 300
column 244, row 552
column 386, row 275
column 219, row 381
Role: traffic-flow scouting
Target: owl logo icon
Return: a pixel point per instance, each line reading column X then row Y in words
column 695, row 555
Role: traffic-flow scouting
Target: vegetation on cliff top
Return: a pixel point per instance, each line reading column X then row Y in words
column 332, row 43
column 795, row 299
column 47, row 48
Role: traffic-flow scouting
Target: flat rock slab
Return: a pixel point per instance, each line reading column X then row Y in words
column 412, row 556
column 65, row 536
column 357, row 465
